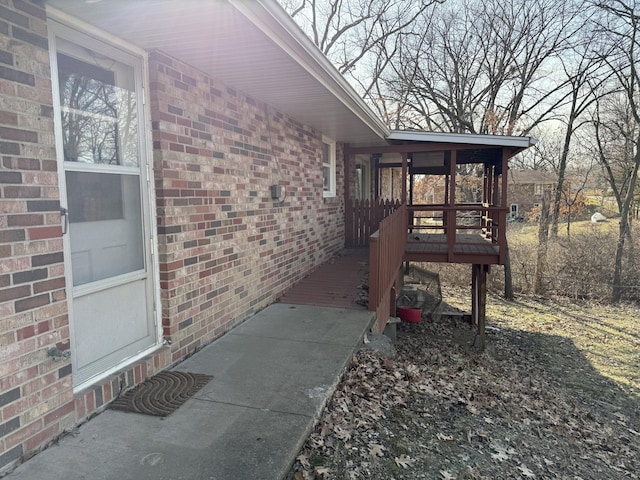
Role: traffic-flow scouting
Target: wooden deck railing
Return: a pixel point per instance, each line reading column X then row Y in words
column 363, row 218
column 386, row 252
column 484, row 219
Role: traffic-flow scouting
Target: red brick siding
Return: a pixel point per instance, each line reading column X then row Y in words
column 524, row 196
column 226, row 248
column 36, row 399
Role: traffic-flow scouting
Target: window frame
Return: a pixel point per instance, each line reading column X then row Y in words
column 331, row 164
column 513, row 212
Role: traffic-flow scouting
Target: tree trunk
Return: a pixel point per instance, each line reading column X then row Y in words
column 508, row 280
column 624, row 226
column 630, row 244
column 617, row 269
column 543, row 239
column 562, row 167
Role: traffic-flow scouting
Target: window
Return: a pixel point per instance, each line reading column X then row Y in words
column 514, row 210
column 98, row 111
column 537, row 189
column 328, row 167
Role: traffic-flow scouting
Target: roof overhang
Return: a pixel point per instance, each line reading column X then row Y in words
column 409, row 142
column 251, row 45
column 519, row 143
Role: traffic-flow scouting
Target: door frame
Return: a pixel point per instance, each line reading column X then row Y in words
column 62, row 25
column 364, row 161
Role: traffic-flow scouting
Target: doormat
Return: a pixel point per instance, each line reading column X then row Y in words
column 161, row 394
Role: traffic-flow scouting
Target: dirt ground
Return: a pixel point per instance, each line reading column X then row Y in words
column 544, row 400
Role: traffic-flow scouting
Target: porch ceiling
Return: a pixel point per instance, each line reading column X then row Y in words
column 251, row 45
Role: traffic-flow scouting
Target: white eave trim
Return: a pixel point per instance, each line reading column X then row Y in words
column 463, row 138
column 75, row 23
column 274, row 21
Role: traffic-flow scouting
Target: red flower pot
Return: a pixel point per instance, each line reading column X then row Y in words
column 409, row 314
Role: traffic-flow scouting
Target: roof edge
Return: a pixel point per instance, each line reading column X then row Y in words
column 462, row 138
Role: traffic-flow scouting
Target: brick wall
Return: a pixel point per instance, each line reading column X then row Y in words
column 226, row 248
column 523, row 195
column 36, row 400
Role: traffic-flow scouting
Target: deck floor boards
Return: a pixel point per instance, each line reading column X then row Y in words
column 465, row 244
column 334, row 284
column 337, row 283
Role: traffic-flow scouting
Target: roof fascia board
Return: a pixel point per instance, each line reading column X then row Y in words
column 426, row 146
column 463, row 138
column 274, row 22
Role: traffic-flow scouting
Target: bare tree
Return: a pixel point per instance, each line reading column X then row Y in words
column 616, row 134
column 572, row 196
column 541, row 254
column 619, row 28
column 485, row 67
column 356, row 32
column 493, row 67
column 539, row 156
column 585, row 74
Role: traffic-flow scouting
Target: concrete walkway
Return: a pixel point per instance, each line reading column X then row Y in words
column 272, row 377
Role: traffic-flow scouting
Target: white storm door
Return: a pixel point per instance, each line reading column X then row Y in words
column 104, row 192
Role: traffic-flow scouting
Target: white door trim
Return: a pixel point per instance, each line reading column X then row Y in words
column 73, row 30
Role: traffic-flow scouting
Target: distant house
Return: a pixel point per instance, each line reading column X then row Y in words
column 526, row 189
column 169, row 168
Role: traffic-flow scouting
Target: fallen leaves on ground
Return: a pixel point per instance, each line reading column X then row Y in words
column 404, row 461
column 530, row 406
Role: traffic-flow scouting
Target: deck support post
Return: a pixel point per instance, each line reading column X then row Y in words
column 479, row 302
column 450, row 229
column 404, row 177
column 349, row 240
column 376, row 177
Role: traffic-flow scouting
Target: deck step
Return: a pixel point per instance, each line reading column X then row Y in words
column 464, row 316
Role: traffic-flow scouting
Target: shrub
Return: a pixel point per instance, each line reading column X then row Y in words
column 580, row 266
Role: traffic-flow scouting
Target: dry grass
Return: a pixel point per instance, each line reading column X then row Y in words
column 608, row 336
column 555, row 395
column 528, row 232
column 579, row 267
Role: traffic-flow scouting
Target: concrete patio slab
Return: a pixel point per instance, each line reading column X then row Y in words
column 272, row 377
column 306, row 323
column 282, row 375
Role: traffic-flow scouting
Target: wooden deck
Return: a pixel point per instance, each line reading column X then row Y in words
column 468, row 248
column 336, row 283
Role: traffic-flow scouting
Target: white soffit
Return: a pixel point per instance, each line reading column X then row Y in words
column 252, row 46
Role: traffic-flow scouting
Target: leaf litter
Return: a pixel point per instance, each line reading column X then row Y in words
column 441, row 410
